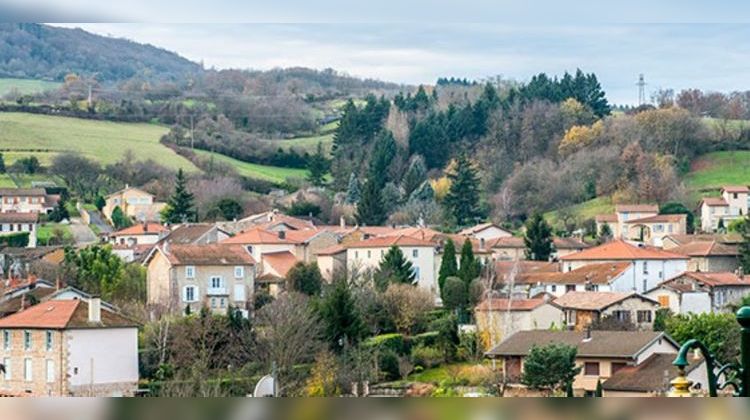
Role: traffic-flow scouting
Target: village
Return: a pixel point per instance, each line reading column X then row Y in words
column 607, row 298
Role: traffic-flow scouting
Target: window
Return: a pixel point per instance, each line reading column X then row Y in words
column 553, row 288
column 369, row 253
column 217, row 282
column 6, row 364
column 239, row 272
column 50, row 367
column 27, row 370
column 645, row 285
column 48, row 340
column 250, row 249
column 570, row 288
column 213, row 302
column 6, row 340
column 645, row 267
column 734, row 195
column 382, row 253
column 622, row 316
column 669, row 227
column 591, row 368
column 571, row 317
column 356, row 254
column 190, row 271
column 617, row 366
column 643, row 316
column 27, row 340
column 415, row 253
column 222, row 303
column 189, row 294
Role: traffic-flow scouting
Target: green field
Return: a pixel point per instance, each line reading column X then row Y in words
column 710, row 171
column 586, row 210
column 103, row 141
column 45, row 232
column 26, row 86
column 306, row 144
column 28, row 181
column 253, row 170
column 6, row 181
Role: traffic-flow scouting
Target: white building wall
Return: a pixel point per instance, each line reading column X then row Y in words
column 661, row 345
column 695, row 302
column 641, row 276
column 362, row 259
column 102, row 356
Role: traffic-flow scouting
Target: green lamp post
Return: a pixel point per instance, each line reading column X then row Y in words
column 731, row 375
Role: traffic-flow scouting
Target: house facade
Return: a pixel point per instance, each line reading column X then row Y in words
column 699, row 292
column 486, row 231
column 498, row 318
column 710, row 256
column 651, row 265
column 135, row 203
column 183, row 278
column 731, row 205
column 68, row 348
column 598, row 277
column 26, row 200
column 643, row 223
column 13, row 223
column 581, row 309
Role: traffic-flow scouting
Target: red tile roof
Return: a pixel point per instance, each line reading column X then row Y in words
column 660, row 218
column 331, row 250
column 706, row 249
column 63, row 314
column 504, row 304
column 714, row 202
column 426, row 234
column 636, row 208
column 14, row 217
column 609, row 218
column 601, row 273
column 389, row 241
column 281, row 262
column 480, row 227
column 209, row 254
column 142, row 229
column 257, row 236
column 621, row 250
column 711, row 279
column 735, row 188
column 291, row 221
column 595, row 301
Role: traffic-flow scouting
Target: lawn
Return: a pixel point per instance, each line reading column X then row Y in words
column 252, row 170
column 26, row 86
column 306, row 144
column 586, row 210
column 34, row 180
column 45, row 232
column 103, row 141
column 713, row 170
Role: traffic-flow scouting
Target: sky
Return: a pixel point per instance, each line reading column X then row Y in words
column 675, row 44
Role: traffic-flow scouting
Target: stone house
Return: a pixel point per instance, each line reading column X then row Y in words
column 498, row 318
column 583, row 308
column 699, row 292
column 486, row 231
column 214, row 276
column 600, row 354
column 331, row 260
column 710, row 256
column 642, row 222
column 68, row 348
column 731, row 205
column 134, row 203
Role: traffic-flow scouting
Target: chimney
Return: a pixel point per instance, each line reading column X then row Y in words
column 282, row 234
column 165, row 248
column 342, row 222
column 57, row 283
column 95, row 309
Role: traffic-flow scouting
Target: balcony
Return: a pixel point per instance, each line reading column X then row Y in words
column 216, row 291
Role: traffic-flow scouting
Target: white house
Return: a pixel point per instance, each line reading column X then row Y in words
column 68, row 348
column 486, row 231
column 651, row 265
column 366, row 255
column 13, row 223
column 26, row 200
column 599, row 277
column 732, row 204
column 698, row 292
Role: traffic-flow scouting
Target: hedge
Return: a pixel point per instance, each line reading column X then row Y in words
column 394, row 342
column 15, row 240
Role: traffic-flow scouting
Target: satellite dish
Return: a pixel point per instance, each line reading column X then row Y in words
column 266, row 387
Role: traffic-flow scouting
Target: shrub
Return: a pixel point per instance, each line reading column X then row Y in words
column 17, row 240
column 425, row 339
column 388, row 365
column 427, row 357
column 388, row 342
column 475, row 375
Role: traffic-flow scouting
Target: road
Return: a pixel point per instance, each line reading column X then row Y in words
column 82, row 234
column 98, row 221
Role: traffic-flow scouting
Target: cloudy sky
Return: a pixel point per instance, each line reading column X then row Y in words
column 675, row 44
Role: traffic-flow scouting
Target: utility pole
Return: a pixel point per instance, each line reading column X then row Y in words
column 641, row 90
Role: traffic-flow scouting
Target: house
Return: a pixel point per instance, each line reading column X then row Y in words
column 652, row 378
column 331, row 260
column 514, row 277
column 271, row 220
column 497, row 318
column 69, row 348
column 303, row 244
column 22, row 293
column 514, row 248
column 699, row 292
column 134, row 203
column 146, row 233
column 274, row 267
column 643, row 223
column 195, row 234
column 673, row 241
column 650, row 265
column 731, row 205
column 194, row 276
column 14, row 223
column 598, row 277
column 27, row 200
column 710, row 256
column 600, row 354
column 486, row 231
column 364, row 256
column 583, row 308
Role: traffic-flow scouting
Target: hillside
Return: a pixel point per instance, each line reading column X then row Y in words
column 273, row 174
column 25, row 86
column 710, row 171
column 34, row 51
column 106, row 142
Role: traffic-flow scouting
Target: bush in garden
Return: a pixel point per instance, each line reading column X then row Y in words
column 427, row 357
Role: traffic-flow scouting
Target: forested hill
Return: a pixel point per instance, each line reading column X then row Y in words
column 35, row 51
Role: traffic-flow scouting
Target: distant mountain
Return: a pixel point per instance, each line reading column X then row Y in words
column 35, row 51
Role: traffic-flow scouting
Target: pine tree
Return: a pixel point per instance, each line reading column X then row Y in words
column 538, row 239
column 370, row 210
column 180, row 207
column 469, row 268
column 744, row 248
column 119, row 220
column 463, row 197
column 339, row 313
column 394, row 268
column 383, row 152
column 448, row 266
column 317, row 166
column 353, row 194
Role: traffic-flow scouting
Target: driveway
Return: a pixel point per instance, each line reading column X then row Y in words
column 98, row 220
column 82, row 234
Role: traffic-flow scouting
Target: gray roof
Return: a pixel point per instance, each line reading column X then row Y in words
column 603, row 344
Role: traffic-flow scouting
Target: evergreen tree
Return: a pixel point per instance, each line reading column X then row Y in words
column 180, row 207
column 371, row 210
column 538, row 239
column 448, row 266
column 394, row 268
column 463, row 197
column 352, row 192
column 317, row 166
column 605, row 234
column 470, row 267
column 384, row 150
column 343, row 321
column 456, row 294
column 2, row 164
column 744, row 248
column 60, row 212
column 391, row 196
column 305, row 278
column 415, row 175
column 100, row 202
column 119, row 219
